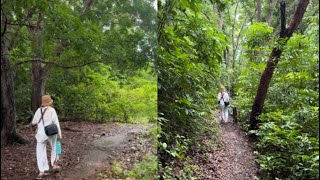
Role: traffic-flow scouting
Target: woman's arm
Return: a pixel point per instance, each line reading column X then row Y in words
column 36, row 118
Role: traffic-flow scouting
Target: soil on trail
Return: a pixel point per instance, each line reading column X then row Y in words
column 233, row 159
column 87, row 149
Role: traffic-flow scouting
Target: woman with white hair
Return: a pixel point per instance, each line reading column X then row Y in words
column 223, row 101
column 45, row 115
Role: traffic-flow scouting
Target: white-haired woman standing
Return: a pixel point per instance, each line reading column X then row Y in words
column 223, row 101
column 44, row 116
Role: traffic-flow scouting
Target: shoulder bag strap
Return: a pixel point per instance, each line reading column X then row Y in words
column 42, row 113
column 221, row 96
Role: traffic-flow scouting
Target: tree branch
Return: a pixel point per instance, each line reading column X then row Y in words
column 205, row 14
column 3, row 3
column 54, row 63
column 15, row 24
column 86, row 6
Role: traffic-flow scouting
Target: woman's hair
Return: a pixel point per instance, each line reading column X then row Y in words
column 222, row 88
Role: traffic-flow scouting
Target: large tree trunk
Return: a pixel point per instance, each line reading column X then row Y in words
column 8, row 112
column 266, row 77
column 39, row 78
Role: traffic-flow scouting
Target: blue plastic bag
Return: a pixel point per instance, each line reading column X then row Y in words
column 58, row 147
column 230, row 110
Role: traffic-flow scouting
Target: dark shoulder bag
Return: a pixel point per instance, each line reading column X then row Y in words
column 50, row 129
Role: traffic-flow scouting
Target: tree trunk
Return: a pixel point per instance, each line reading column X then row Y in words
column 220, row 13
column 39, row 73
column 39, row 78
column 271, row 6
column 290, row 11
column 266, row 77
column 234, row 48
column 259, row 14
column 8, row 112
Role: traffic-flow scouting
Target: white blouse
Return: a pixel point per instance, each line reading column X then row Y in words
column 224, row 97
column 50, row 116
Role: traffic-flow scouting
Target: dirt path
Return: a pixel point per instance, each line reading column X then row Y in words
column 236, row 155
column 233, row 159
column 87, row 149
column 101, row 150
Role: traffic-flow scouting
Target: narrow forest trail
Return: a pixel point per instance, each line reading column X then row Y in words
column 87, row 150
column 236, row 158
column 233, row 159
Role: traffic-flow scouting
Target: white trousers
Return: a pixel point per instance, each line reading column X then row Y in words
column 42, row 159
column 224, row 113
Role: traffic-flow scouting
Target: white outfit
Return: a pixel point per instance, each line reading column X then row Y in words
column 223, row 109
column 50, row 116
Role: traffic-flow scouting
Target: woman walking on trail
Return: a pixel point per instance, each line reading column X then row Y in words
column 44, row 116
column 223, row 101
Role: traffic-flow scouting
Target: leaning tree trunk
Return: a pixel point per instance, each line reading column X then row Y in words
column 8, row 112
column 266, row 77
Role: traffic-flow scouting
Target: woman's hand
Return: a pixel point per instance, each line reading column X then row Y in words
column 28, row 125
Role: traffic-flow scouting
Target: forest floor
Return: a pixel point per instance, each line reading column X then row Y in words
column 89, row 151
column 231, row 159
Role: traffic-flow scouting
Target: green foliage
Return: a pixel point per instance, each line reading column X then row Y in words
column 172, row 172
column 258, row 43
column 121, row 89
column 90, row 93
column 178, row 149
column 258, row 35
column 131, row 32
column 23, row 107
column 144, row 170
column 286, row 149
column 189, row 52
